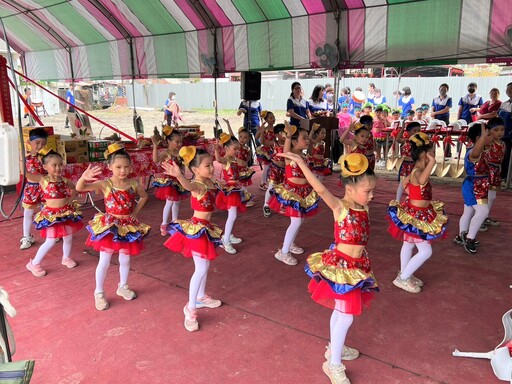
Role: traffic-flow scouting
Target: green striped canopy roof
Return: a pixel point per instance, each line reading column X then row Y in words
column 113, row 39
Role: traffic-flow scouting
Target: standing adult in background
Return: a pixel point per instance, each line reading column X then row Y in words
column 371, row 93
column 28, row 110
column 378, row 98
column 70, row 109
column 406, row 101
column 469, row 104
column 172, row 110
column 505, row 113
column 297, row 108
column 329, row 97
column 441, row 106
column 491, row 107
column 317, row 103
column 251, row 110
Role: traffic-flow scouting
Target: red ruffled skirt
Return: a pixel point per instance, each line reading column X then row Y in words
column 233, row 196
column 58, row 222
column 341, row 282
column 169, row 189
column 194, row 236
column 294, row 200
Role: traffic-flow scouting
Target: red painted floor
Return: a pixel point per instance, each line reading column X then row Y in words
column 268, row 330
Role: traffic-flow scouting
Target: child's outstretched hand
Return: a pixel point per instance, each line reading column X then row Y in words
column 226, row 120
column 91, row 173
column 155, row 141
column 291, row 156
column 171, row 169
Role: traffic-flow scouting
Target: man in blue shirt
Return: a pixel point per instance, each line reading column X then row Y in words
column 505, row 113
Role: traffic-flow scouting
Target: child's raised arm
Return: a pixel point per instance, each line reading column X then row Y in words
column 422, row 178
column 483, row 140
column 175, row 171
column 72, row 187
column 218, row 157
column 156, row 158
column 343, row 137
column 332, row 201
column 400, row 136
column 229, row 127
column 90, row 174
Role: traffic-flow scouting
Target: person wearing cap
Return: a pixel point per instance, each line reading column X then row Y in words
column 406, row 101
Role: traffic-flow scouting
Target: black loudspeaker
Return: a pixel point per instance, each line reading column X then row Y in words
column 250, row 86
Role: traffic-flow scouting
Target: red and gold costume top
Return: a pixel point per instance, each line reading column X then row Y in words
column 293, row 170
column 55, row 189
column 120, row 201
column 268, row 135
column 34, row 165
column 358, row 149
column 319, row 149
column 352, row 226
column 495, row 153
column 244, row 153
column 206, row 201
column 370, row 145
column 231, row 171
column 419, row 192
column 406, row 149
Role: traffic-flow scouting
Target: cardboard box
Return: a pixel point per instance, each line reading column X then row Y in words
column 74, row 157
column 71, row 145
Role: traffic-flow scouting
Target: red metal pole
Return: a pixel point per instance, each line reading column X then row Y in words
column 77, row 108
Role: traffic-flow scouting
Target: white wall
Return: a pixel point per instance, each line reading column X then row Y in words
column 275, row 93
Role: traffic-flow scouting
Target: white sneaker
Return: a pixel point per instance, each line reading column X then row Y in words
column 286, row 258
column 26, row 242
column 296, row 250
column 234, row 240
column 228, row 247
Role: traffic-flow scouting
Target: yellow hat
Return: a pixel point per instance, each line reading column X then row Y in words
column 44, row 151
column 420, row 139
column 264, row 114
column 354, row 164
column 290, row 129
column 315, row 127
column 112, row 148
column 224, row 138
column 166, row 130
column 187, row 154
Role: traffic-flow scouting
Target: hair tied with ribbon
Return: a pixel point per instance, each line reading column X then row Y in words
column 354, row 164
column 113, row 148
column 187, row 154
column 263, row 114
column 167, row 130
column 315, row 127
column 224, row 138
column 241, row 129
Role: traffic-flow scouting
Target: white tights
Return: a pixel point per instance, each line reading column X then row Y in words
column 490, row 198
column 268, row 194
column 340, row 324
column 28, row 217
column 472, row 218
column 230, row 223
column 399, row 191
column 104, row 263
column 264, row 174
column 291, row 233
column 67, row 242
column 198, row 280
column 409, row 263
column 173, row 206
